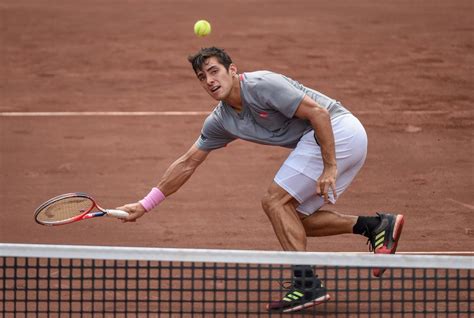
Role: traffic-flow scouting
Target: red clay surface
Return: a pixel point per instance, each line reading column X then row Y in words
column 404, row 68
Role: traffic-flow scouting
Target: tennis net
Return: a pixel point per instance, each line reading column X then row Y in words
column 92, row 281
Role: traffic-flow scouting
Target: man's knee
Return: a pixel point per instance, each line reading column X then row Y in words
column 269, row 202
column 275, row 198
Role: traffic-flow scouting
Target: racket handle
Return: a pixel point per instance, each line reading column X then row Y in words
column 116, row 213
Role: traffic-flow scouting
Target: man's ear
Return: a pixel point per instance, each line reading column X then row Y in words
column 233, row 69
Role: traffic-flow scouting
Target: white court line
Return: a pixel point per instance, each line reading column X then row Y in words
column 462, row 203
column 71, row 114
column 191, row 113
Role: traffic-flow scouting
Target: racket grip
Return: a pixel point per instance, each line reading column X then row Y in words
column 116, row 213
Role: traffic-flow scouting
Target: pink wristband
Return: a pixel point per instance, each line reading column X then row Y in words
column 152, row 199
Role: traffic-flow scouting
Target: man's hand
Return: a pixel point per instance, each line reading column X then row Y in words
column 327, row 181
column 135, row 211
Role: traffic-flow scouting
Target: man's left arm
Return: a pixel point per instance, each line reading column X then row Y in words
column 321, row 123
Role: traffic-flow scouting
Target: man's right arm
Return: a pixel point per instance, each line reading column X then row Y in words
column 181, row 170
column 175, row 176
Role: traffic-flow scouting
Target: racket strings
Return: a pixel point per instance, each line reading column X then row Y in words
column 64, row 209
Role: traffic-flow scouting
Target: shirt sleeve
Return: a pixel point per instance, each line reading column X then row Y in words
column 213, row 135
column 275, row 91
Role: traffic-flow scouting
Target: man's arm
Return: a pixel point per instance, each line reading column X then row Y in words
column 175, row 176
column 321, row 123
column 181, row 170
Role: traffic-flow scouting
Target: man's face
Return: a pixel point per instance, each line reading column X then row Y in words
column 215, row 79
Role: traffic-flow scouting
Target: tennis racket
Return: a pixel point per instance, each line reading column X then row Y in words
column 72, row 207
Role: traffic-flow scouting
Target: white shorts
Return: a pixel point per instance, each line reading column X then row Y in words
column 304, row 165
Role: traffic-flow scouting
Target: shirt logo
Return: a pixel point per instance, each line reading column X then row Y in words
column 263, row 115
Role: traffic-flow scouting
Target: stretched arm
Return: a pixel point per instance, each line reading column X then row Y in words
column 181, row 170
column 321, row 123
column 175, row 176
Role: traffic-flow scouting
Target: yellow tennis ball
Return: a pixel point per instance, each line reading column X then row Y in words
column 202, row 28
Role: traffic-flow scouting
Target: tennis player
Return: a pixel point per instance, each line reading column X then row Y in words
column 329, row 147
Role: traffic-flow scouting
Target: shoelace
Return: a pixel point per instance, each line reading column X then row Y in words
column 286, row 284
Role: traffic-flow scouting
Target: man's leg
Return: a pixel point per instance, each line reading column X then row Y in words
column 280, row 208
column 325, row 223
column 382, row 230
column 306, row 288
column 292, row 227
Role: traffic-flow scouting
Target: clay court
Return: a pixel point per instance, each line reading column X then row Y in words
column 404, row 68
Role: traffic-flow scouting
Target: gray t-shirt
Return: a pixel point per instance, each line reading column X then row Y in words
column 269, row 102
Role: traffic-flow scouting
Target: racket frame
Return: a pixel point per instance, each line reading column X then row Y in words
column 83, row 216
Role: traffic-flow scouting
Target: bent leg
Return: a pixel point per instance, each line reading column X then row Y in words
column 325, row 223
column 280, row 208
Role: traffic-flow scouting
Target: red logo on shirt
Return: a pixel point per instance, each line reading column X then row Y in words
column 263, row 114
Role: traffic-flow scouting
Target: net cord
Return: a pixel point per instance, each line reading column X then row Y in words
column 235, row 256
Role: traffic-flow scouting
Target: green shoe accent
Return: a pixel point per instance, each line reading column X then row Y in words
column 297, row 293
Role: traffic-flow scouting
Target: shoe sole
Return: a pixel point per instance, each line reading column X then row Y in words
column 312, row 303
column 397, row 231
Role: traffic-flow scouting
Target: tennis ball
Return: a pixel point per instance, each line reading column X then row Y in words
column 202, row 28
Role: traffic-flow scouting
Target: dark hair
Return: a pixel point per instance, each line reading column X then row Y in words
column 203, row 54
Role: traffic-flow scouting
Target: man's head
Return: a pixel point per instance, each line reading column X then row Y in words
column 198, row 59
column 215, row 71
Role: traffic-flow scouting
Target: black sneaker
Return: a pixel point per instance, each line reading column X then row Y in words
column 384, row 238
column 298, row 298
